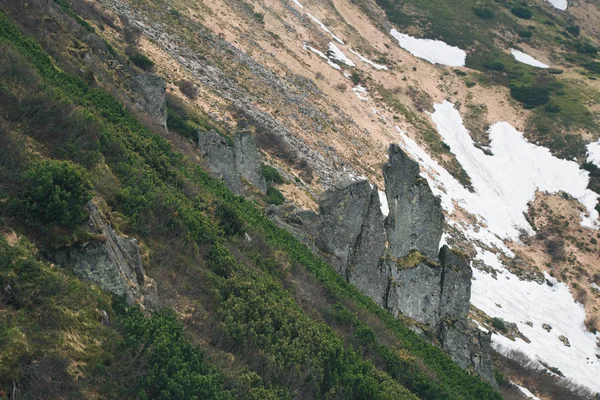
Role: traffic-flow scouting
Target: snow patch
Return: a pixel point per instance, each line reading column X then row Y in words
column 385, row 209
column 528, row 303
column 526, row 392
column 322, row 55
column 560, row 4
column 527, row 59
column 434, row 51
column 325, row 28
column 360, row 92
column 378, row 67
column 593, row 153
column 338, row 55
column 298, row 4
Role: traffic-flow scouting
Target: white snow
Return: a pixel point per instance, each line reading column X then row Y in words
column 322, row 55
column 378, row 67
column 360, row 92
column 527, row 59
column 503, row 185
column 325, row 28
column 560, row 4
column 338, row 55
column 505, row 182
column 595, row 286
column 434, row 51
column 526, row 392
column 525, row 301
column 385, row 209
column 298, row 4
column 593, row 153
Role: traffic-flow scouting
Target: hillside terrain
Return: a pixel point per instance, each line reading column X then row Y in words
column 277, row 199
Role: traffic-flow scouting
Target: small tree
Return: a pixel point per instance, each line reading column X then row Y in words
column 56, row 193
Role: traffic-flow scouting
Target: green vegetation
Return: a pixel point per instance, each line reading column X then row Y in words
column 56, row 193
column 272, row 175
column 274, row 196
column 259, row 17
column 142, row 61
column 530, row 96
column 498, row 323
column 164, row 198
column 521, row 12
column 484, row 13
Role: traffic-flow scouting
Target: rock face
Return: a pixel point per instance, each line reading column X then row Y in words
column 352, row 233
column 150, row 93
column 416, row 219
column 398, row 263
column 111, row 261
column 247, row 160
column 231, row 164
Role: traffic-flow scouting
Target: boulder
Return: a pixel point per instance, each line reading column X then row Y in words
column 221, row 159
column 455, row 286
column 416, row 218
column 247, row 160
column 110, row 260
column 150, row 95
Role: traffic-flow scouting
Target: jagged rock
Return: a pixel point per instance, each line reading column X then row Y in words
column 564, row 340
column 112, row 261
column 221, row 159
column 415, row 290
column 416, row 219
column 150, row 94
column 366, row 270
column 303, row 224
column 232, row 163
column 247, row 160
column 469, row 347
column 547, row 327
column 456, row 285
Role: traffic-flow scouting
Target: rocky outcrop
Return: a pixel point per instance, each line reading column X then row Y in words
column 221, row 159
column 150, row 94
column 397, row 262
column 247, row 160
column 416, row 218
column 303, row 224
column 110, row 260
column 232, row 163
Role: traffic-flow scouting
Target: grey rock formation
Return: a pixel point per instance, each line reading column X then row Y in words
column 469, row 347
column 303, row 224
column 247, row 160
column 232, row 163
column 416, row 217
column 150, row 94
column 455, row 286
column 221, row 159
column 112, row 261
column 415, row 292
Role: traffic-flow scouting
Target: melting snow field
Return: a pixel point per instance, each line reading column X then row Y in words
column 594, row 153
column 434, row 51
column 560, row 4
column 360, row 92
column 523, row 301
column 503, row 185
column 378, row 67
column 527, row 59
column 322, row 55
column 338, row 55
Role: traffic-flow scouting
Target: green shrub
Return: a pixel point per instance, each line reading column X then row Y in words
column 574, row 30
column 272, row 175
column 458, row 72
column 494, row 66
column 552, row 108
column 592, row 66
column 531, row 96
column 274, row 196
column 259, row 17
column 498, row 323
column 229, row 219
column 484, row 13
column 525, row 34
column 142, row 61
column 522, row 12
column 585, row 47
column 55, row 192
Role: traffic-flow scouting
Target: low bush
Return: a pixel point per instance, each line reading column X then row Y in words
column 229, row 220
column 531, row 96
column 142, row 61
column 55, row 192
column 188, row 89
column 522, row 12
column 274, row 196
column 498, row 323
column 272, row 175
column 484, row 13
column 525, row 34
column 494, row 66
